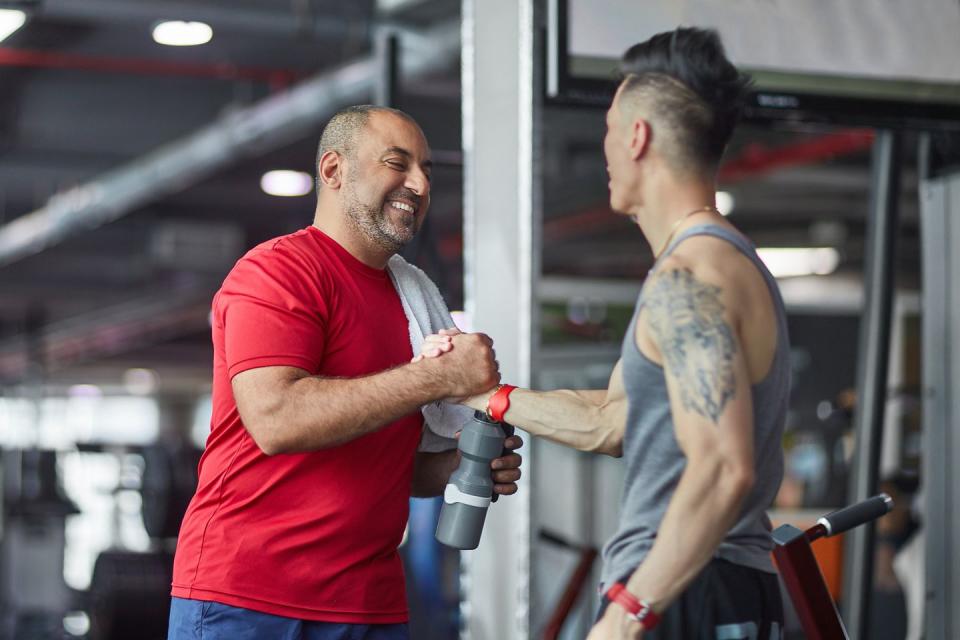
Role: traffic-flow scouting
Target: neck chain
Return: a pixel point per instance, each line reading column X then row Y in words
column 676, row 225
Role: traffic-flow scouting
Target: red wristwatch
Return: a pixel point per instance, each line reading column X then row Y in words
column 639, row 610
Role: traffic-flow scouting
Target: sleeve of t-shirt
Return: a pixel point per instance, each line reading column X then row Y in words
column 271, row 314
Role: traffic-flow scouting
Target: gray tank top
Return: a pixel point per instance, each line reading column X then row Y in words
column 654, row 461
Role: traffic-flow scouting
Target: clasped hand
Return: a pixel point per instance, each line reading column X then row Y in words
column 506, row 469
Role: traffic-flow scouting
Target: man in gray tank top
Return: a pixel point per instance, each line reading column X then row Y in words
column 697, row 402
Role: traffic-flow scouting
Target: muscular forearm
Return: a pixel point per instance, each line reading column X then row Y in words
column 584, row 420
column 431, row 472
column 703, row 509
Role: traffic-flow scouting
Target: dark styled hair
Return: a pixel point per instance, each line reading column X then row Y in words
column 343, row 129
column 685, row 79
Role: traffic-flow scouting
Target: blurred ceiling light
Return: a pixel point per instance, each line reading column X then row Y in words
column 725, row 202
column 177, row 33
column 784, row 263
column 139, row 382
column 84, row 391
column 285, row 183
column 76, row 623
column 10, row 21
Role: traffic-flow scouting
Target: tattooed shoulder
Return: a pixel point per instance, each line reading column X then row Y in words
column 686, row 319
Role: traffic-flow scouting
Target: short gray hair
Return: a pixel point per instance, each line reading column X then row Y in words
column 342, row 131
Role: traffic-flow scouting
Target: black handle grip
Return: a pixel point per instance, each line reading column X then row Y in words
column 508, row 431
column 857, row 514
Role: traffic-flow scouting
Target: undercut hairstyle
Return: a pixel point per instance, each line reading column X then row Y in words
column 683, row 83
column 344, row 129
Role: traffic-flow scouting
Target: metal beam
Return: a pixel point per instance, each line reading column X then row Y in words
column 267, row 125
column 275, row 20
column 131, row 325
column 872, row 373
column 387, row 50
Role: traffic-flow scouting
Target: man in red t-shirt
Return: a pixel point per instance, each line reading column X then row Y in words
column 312, row 455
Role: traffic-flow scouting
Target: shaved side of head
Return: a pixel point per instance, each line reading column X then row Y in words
column 345, row 128
column 683, row 83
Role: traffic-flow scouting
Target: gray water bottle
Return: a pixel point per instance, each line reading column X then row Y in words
column 470, row 488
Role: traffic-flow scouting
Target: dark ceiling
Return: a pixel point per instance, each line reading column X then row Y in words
column 84, row 91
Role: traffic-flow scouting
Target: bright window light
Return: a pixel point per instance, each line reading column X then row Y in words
column 724, row 202
column 177, row 33
column 784, row 263
column 285, row 183
column 10, row 21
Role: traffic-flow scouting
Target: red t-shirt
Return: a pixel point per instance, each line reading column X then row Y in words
column 310, row 535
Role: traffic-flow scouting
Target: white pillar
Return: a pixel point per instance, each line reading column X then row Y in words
column 940, row 234
column 501, row 263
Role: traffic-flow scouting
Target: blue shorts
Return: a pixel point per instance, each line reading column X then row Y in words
column 199, row 620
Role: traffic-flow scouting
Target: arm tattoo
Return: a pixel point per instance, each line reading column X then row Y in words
column 686, row 318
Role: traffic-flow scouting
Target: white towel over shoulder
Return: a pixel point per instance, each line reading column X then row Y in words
column 427, row 313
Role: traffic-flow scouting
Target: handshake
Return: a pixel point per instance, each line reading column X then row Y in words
column 469, row 365
column 466, row 362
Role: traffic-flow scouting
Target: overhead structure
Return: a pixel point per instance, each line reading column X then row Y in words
column 291, row 23
column 267, row 125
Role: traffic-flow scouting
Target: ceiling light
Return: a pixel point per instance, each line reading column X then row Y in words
column 784, row 263
column 10, row 21
column 177, row 33
column 724, row 202
column 140, row 382
column 84, row 391
column 285, row 183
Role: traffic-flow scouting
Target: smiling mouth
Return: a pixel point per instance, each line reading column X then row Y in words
column 403, row 206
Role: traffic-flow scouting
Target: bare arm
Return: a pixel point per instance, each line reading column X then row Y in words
column 592, row 420
column 588, row 420
column 692, row 326
column 286, row 410
column 431, row 472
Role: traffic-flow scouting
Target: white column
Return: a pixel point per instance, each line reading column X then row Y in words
column 501, row 263
column 940, row 229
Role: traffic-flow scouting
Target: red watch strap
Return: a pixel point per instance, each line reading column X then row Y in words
column 639, row 610
column 499, row 402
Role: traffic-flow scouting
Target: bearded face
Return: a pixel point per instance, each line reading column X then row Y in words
column 390, row 220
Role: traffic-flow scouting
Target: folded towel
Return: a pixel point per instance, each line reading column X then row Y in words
column 427, row 313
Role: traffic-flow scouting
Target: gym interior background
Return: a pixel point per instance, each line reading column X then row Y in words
column 134, row 172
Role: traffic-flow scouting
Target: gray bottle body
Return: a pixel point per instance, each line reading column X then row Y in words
column 470, row 488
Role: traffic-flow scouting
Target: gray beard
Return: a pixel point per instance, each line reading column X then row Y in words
column 374, row 225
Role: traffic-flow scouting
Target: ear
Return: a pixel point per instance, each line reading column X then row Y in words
column 639, row 138
column 330, row 170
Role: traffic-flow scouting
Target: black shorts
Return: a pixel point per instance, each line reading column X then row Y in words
column 725, row 601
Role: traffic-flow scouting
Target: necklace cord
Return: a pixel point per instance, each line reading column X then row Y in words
column 676, row 225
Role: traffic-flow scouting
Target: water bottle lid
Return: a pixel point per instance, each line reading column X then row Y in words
column 481, row 416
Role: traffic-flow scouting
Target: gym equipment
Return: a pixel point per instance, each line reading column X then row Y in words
column 167, row 485
column 129, row 595
column 575, row 583
column 33, row 514
column 470, row 489
column 801, row 575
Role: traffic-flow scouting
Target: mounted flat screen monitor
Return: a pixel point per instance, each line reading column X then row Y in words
column 869, row 62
